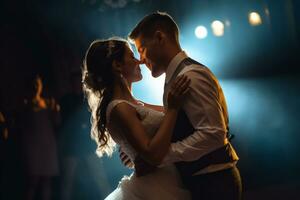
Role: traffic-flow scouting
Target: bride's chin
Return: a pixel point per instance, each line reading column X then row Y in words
column 139, row 78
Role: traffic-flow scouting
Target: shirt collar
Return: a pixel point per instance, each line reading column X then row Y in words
column 174, row 64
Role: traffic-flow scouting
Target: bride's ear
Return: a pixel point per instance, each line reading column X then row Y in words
column 116, row 68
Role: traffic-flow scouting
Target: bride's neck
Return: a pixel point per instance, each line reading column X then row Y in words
column 122, row 90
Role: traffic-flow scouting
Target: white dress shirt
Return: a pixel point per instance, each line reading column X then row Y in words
column 206, row 109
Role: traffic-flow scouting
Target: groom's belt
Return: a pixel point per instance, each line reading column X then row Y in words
column 221, row 155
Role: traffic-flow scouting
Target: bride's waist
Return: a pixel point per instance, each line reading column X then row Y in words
column 165, row 172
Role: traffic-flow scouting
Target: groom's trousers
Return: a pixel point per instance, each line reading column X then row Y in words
column 221, row 185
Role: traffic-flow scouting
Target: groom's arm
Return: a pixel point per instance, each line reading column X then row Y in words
column 142, row 167
column 204, row 111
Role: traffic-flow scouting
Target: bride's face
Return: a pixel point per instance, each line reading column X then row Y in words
column 131, row 67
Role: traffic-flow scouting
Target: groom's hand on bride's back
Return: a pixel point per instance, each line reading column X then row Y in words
column 142, row 167
column 125, row 159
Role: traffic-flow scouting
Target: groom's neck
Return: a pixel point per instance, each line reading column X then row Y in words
column 173, row 50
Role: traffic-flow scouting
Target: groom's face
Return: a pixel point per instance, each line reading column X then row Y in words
column 150, row 54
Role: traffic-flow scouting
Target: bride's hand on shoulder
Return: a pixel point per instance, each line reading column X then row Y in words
column 179, row 89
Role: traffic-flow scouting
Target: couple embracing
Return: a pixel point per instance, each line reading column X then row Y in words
column 180, row 150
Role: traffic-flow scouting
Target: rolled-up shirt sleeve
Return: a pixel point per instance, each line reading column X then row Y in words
column 205, row 112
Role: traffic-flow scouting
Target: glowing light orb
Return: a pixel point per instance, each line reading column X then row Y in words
column 201, row 32
column 254, row 19
column 217, row 28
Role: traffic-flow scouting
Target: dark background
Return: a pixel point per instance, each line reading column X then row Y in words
column 258, row 68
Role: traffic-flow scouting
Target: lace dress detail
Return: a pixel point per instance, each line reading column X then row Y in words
column 150, row 119
column 163, row 183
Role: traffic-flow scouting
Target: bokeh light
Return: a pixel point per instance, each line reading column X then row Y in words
column 217, row 28
column 254, row 19
column 201, row 32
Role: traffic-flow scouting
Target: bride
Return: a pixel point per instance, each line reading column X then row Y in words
column 141, row 130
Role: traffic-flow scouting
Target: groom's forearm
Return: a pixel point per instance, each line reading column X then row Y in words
column 193, row 147
column 142, row 167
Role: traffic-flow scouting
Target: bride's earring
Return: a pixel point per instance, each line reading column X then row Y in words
column 124, row 80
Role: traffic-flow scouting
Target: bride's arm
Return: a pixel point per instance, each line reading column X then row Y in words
column 154, row 107
column 152, row 149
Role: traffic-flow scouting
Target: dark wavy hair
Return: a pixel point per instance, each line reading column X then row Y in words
column 98, row 80
column 153, row 22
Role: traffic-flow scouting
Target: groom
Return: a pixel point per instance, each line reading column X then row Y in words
column 200, row 148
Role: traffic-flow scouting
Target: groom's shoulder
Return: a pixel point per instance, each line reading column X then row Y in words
column 189, row 61
column 197, row 71
column 191, row 65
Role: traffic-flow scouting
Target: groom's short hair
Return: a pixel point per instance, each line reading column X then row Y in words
column 153, row 22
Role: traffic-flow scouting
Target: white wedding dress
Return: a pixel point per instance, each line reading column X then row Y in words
column 164, row 183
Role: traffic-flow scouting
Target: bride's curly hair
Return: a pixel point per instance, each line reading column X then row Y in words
column 98, row 80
